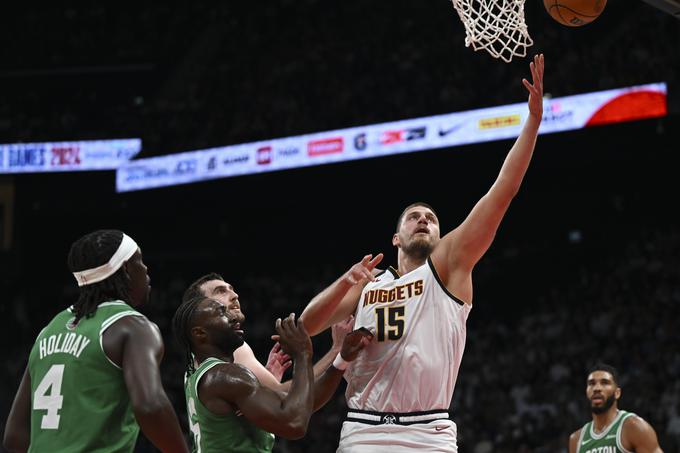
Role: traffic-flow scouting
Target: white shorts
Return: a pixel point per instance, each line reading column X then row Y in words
column 435, row 436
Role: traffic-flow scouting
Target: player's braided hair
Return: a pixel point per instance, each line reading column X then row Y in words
column 194, row 290
column 90, row 251
column 181, row 325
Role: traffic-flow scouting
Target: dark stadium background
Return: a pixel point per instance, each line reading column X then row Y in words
column 586, row 264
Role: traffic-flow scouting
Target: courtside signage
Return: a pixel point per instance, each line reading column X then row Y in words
column 67, row 156
column 405, row 136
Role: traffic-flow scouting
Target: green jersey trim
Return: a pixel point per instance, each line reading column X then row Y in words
column 580, row 437
column 606, row 429
column 619, row 432
column 208, row 366
column 589, row 429
column 109, row 322
column 103, row 304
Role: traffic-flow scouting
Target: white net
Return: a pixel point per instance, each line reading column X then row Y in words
column 496, row 26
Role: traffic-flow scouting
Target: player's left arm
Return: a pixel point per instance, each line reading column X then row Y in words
column 459, row 251
column 18, row 428
column 245, row 356
column 351, row 344
column 639, row 436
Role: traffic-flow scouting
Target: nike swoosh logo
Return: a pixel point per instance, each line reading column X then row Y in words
column 586, row 441
column 611, row 436
column 440, row 428
column 445, row 132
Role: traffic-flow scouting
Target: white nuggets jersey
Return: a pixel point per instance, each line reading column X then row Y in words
column 412, row 364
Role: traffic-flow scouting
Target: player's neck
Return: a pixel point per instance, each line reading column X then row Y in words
column 601, row 421
column 408, row 263
column 208, row 351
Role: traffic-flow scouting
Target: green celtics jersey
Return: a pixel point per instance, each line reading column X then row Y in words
column 608, row 441
column 221, row 433
column 79, row 402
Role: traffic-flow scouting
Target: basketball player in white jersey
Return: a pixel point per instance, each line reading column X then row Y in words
column 400, row 389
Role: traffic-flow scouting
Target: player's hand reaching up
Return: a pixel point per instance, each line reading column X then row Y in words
column 354, row 342
column 339, row 331
column 363, row 269
column 536, row 88
column 278, row 362
column 293, row 337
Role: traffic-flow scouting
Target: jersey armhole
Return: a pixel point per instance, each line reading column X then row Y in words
column 580, row 438
column 441, row 284
column 619, row 433
column 207, row 368
column 108, row 323
column 197, row 381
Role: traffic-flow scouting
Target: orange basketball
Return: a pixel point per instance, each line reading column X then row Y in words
column 574, row 13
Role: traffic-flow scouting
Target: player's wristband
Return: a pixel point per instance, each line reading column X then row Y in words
column 339, row 363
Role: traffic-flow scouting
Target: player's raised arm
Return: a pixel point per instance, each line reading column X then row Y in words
column 286, row 416
column 461, row 249
column 339, row 300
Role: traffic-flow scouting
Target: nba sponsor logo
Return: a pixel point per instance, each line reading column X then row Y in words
column 325, row 146
column 264, row 155
column 141, row 173
column 288, row 152
column 360, row 142
column 498, row 122
column 186, row 167
column 446, row 131
column 402, row 135
column 417, row 133
column 555, row 114
column 390, row 137
column 231, row 160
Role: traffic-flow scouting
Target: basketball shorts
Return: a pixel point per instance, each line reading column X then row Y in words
column 387, row 435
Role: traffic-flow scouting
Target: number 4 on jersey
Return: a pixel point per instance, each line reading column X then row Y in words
column 51, row 403
column 395, row 322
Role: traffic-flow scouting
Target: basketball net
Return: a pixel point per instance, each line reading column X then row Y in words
column 496, row 26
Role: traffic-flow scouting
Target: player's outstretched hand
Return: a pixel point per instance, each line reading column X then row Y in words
column 278, row 362
column 340, row 330
column 293, row 337
column 536, row 88
column 363, row 269
column 354, row 342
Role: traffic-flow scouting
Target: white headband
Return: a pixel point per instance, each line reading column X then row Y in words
column 126, row 249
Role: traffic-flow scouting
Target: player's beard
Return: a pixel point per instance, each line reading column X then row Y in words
column 229, row 341
column 608, row 403
column 419, row 249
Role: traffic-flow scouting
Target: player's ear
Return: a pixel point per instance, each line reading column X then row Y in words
column 199, row 333
column 126, row 272
column 395, row 240
column 617, row 393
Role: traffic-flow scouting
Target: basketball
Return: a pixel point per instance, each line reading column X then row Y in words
column 574, row 13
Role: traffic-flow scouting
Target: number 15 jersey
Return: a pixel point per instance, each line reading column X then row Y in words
column 419, row 326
